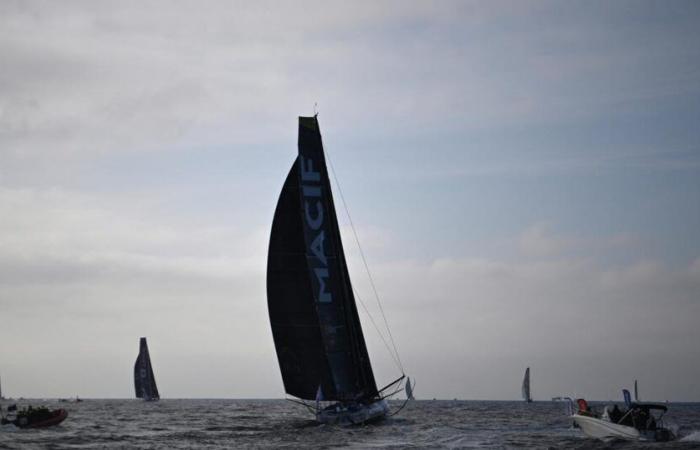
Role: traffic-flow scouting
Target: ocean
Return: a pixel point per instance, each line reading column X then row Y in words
column 222, row 424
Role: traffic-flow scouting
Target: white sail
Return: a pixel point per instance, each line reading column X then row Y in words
column 409, row 389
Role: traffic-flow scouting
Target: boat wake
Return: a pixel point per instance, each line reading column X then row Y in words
column 8, row 428
column 692, row 437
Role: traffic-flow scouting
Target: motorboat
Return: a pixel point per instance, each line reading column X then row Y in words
column 29, row 417
column 639, row 421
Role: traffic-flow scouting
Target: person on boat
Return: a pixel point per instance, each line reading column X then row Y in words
column 583, row 407
column 640, row 418
column 651, row 425
column 615, row 414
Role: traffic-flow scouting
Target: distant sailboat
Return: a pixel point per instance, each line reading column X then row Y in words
column 409, row 389
column 144, row 380
column 526, row 386
column 315, row 324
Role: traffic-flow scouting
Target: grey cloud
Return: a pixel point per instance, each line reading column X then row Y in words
column 101, row 262
column 566, row 312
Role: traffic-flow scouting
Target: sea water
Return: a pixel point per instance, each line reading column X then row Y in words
column 220, row 424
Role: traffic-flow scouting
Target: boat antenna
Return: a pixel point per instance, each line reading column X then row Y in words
column 364, row 261
column 315, row 109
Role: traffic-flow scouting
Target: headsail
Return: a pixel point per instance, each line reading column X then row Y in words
column 526, row 386
column 314, row 319
column 144, row 380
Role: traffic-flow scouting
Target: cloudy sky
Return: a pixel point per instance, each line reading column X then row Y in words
column 524, row 178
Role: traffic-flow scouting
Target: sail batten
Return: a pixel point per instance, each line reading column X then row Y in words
column 314, row 319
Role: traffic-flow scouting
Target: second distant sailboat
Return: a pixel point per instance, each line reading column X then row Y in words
column 144, row 380
column 526, row 386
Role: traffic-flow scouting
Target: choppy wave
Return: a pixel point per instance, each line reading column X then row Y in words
column 692, row 437
column 220, row 424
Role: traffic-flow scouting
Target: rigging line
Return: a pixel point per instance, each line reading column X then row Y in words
column 386, row 344
column 364, row 260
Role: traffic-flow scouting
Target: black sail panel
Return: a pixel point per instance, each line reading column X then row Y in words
column 341, row 331
column 315, row 324
column 152, row 378
column 144, row 379
column 526, row 385
column 138, row 380
column 293, row 316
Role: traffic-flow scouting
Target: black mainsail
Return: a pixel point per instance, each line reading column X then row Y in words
column 526, row 386
column 315, row 325
column 144, row 380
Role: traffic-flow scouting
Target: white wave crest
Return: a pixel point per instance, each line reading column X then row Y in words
column 692, row 437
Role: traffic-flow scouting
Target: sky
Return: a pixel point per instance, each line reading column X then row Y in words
column 524, row 179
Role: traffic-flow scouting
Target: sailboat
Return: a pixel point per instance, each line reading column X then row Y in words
column 526, row 386
column 409, row 389
column 144, row 380
column 315, row 324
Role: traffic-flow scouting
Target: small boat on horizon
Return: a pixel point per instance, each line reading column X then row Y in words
column 144, row 380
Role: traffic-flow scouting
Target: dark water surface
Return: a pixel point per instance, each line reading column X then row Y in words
column 219, row 424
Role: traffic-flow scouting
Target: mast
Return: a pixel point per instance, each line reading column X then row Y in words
column 314, row 319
